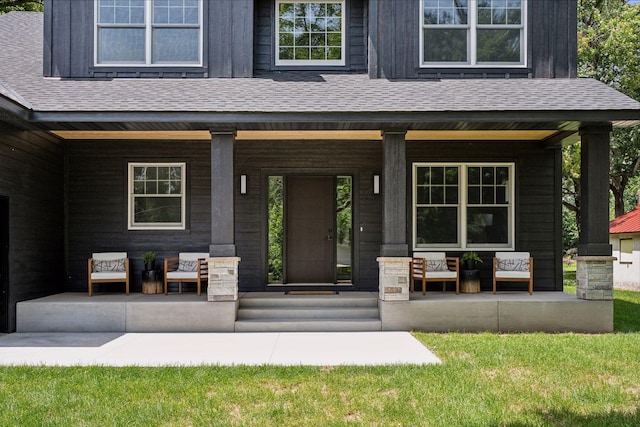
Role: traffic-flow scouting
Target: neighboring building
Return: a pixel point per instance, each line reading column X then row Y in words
column 414, row 125
column 625, row 240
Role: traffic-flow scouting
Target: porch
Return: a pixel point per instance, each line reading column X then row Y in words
column 345, row 311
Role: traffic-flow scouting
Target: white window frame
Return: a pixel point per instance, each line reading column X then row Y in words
column 132, row 225
column 463, row 205
column 148, row 26
column 472, row 27
column 310, row 62
column 626, row 257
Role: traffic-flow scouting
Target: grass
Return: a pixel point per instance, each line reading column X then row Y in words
column 485, row 380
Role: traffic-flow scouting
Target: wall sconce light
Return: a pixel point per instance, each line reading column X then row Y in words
column 243, row 184
column 376, row 184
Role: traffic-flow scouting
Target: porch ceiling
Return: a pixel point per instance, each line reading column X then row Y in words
column 279, row 135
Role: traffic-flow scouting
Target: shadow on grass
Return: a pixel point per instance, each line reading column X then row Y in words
column 570, row 418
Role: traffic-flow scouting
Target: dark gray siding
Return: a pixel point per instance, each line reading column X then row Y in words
column 259, row 159
column 537, row 209
column 394, row 34
column 264, row 42
column 227, row 42
column 97, row 206
column 31, row 176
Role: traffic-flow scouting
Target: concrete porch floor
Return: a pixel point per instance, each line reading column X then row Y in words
column 436, row 312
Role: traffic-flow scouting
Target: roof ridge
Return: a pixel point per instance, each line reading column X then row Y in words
column 14, row 96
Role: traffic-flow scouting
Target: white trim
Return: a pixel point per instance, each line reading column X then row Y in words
column 472, row 28
column 148, row 26
column 463, row 205
column 309, row 62
column 131, row 198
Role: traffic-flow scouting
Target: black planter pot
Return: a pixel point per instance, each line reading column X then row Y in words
column 149, row 265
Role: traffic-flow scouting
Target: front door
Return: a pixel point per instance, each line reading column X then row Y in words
column 4, row 264
column 309, row 231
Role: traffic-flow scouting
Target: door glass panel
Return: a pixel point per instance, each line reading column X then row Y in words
column 344, row 228
column 276, row 228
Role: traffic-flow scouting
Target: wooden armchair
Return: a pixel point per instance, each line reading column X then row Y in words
column 435, row 267
column 108, row 267
column 187, row 267
column 513, row 267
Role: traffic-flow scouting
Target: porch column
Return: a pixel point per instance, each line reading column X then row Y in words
column 394, row 194
column 594, row 275
column 222, row 192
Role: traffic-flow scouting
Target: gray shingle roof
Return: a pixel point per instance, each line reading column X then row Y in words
column 21, row 79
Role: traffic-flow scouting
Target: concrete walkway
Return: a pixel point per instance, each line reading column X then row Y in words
column 192, row 349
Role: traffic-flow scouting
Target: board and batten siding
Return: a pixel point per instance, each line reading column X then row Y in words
column 227, row 43
column 356, row 33
column 394, row 43
column 538, row 215
column 97, row 205
column 31, row 176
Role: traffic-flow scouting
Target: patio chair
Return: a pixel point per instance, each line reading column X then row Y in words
column 187, row 267
column 108, row 267
column 435, row 267
column 513, row 267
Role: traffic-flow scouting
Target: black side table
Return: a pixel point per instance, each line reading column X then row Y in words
column 152, row 282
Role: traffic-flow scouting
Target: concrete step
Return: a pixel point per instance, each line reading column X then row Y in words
column 298, row 312
column 308, row 325
column 308, row 301
column 348, row 311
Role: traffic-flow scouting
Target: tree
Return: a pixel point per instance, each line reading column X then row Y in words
column 25, row 5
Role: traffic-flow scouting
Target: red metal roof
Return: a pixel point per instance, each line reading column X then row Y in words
column 627, row 223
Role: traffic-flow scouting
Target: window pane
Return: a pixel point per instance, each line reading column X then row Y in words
column 488, row 225
column 123, row 45
column 437, row 225
column 626, row 250
column 488, row 176
column 451, row 175
column 312, row 29
column 445, row 45
column 473, row 195
column 176, row 45
column 473, row 175
column 423, row 196
column 158, row 210
column 437, row 175
column 499, row 46
column 437, row 195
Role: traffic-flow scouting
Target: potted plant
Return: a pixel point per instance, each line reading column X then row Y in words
column 149, row 260
column 470, row 260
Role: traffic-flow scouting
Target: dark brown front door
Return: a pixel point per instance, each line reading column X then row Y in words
column 310, row 229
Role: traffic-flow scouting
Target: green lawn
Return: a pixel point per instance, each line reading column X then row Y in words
column 485, row 380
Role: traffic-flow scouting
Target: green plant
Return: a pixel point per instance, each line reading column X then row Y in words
column 149, row 257
column 471, row 256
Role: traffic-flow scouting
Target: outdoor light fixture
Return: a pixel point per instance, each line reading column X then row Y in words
column 243, row 184
column 376, row 184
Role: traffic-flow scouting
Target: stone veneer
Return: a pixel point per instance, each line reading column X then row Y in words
column 594, row 278
column 394, row 278
column 223, row 279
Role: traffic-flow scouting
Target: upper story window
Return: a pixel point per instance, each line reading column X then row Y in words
column 310, row 32
column 148, row 32
column 463, row 33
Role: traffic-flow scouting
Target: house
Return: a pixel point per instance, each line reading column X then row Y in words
column 361, row 130
column 624, row 234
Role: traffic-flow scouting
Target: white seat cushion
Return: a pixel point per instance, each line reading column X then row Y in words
column 182, row 275
column 435, row 261
column 109, row 275
column 441, row 275
column 193, row 256
column 512, row 274
column 108, row 256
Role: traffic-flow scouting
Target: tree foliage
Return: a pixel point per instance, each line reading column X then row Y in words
column 24, row 5
column 609, row 51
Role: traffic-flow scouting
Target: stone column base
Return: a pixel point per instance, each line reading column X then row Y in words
column 394, row 278
column 594, row 278
column 223, row 279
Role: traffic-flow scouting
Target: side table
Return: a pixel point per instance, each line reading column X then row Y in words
column 469, row 281
column 152, row 282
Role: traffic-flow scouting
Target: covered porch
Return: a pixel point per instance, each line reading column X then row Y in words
column 508, row 311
